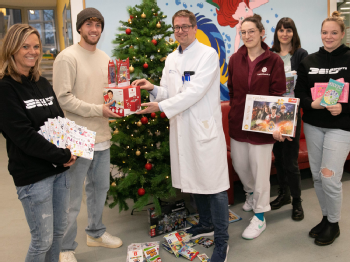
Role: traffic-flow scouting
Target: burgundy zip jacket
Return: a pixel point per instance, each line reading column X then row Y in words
column 268, row 79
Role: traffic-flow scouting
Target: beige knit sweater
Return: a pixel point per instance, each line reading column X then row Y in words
column 79, row 77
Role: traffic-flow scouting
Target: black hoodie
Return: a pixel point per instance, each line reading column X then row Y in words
column 320, row 67
column 24, row 107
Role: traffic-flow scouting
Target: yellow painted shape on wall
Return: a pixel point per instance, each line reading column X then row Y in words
column 59, row 15
column 203, row 38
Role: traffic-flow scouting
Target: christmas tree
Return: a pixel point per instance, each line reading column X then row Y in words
column 141, row 143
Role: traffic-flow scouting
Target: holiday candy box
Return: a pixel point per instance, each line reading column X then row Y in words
column 126, row 100
column 265, row 114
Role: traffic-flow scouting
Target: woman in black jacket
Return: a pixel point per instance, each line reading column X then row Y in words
column 327, row 129
column 287, row 46
column 38, row 167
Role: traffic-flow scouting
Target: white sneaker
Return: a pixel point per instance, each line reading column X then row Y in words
column 255, row 228
column 248, row 205
column 106, row 240
column 67, row 256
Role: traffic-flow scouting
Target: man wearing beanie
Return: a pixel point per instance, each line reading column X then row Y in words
column 79, row 76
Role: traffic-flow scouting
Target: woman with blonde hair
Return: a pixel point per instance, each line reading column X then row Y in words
column 327, row 129
column 38, row 167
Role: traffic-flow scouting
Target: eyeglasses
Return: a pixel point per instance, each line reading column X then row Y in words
column 248, row 33
column 184, row 28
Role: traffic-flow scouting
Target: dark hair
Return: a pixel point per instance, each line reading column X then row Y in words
column 109, row 91
column 256, row 19
column 286, row 22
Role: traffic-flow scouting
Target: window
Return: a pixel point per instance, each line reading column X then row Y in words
column 44, row 22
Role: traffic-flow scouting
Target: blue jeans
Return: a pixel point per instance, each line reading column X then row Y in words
column 96, row 172
column 327, row 148
column 45, row 205
column 213, row 212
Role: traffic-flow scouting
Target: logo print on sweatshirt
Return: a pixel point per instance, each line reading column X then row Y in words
column 264, row 69
column 32, row 103
column 326, row 71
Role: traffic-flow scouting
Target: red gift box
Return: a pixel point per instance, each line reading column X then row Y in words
column 127, row 99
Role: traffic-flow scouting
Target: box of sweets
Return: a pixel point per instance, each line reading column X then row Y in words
column 265, row 114
column 173, row 218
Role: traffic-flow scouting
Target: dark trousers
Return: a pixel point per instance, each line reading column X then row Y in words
column 213, row 212
column 286, row 163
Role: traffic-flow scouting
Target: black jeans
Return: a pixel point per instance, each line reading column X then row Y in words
column 286, row 163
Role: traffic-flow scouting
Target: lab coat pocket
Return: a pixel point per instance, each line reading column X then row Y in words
column 207, row 129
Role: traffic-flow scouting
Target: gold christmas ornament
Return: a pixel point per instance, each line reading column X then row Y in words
column 143, row 15
column 129, row 20
column 113, row 184
column 131, row 69
column 139, row 123
column 158, row 25
column 116, row 132
column 138, row 152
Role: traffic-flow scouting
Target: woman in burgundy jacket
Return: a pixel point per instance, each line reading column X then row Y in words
column 254, row 69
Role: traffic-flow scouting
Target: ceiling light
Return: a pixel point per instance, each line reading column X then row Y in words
column 345, row 8
column 32, row 12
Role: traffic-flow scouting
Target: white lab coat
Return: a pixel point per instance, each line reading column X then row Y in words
column 198, row 151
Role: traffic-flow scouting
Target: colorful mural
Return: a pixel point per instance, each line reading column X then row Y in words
column 208, row 34
column 233, row 12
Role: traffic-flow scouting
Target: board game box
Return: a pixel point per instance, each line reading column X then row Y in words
column 265, row 114
column 126, row 100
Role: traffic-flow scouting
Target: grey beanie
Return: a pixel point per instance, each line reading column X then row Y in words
column 88, row 13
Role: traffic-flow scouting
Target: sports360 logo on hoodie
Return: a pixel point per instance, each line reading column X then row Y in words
column 32, row 103
column 326, row 71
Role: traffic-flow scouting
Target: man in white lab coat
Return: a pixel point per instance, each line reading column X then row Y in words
column 197, row 142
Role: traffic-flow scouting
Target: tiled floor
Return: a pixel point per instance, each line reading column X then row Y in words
column 284, row 240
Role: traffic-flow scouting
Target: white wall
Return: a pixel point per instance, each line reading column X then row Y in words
column 76, row 7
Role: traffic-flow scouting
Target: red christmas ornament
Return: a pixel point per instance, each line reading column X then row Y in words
column 131, row 46
column 141, row 191
column 128, row 31
column 153, row 115
column 154, row 42
column 148, row 166
column 155, row 14
column 131, row 17
column 144, row 120
column 145, row 65
column 162, row 115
